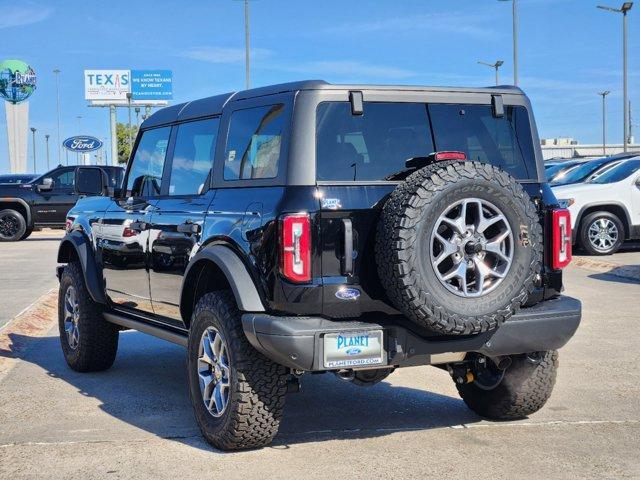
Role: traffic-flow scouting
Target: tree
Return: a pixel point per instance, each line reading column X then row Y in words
column 122, row 136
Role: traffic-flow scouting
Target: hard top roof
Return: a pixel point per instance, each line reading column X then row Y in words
column 213, row 105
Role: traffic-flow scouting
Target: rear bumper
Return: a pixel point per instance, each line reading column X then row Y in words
column 297, row 342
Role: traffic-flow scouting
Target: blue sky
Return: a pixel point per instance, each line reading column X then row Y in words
column 569, row 51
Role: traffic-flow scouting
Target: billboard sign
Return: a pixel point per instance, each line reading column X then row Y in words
column 106, row 84
column 82, row 144
column 17, row 81
column 151, row 85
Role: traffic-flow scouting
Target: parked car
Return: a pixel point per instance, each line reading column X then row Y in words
column 591, row 169
column 13, row 178
column 42, row 202
column 558, row 171
column 310, row 227
column 605, row 211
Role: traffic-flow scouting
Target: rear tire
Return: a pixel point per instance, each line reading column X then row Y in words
column 601, row 233
column 88, row 341
column 244, row 411
column 26, row 234
column 524, row 389
column 12, row 226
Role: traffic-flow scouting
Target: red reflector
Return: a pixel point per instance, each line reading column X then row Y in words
column 440, row 156
column 561, row 238
column 295, row 244
column 68, row 225
column 127, row 232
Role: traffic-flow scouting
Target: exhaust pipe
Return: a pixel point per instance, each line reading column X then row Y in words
column 346, row 375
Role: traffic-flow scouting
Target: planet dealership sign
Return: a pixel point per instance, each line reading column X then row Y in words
column 82, row 144
column 17, row 81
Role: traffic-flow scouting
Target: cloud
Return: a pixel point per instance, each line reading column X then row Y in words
column 225, row 55
column 347, row 68
column 25, row 14
column 450, row 22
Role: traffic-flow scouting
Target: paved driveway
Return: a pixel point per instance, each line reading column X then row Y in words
column 27, row 270
column 135, row 421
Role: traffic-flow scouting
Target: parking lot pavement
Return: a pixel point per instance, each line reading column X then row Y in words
column 27, row 270
column 135, row 419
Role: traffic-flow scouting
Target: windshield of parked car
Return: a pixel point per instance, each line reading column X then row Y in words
column 582, row 172
column 618, row 173
column 555, row 171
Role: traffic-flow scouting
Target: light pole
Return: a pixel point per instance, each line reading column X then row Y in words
column 626, row 6
column 604, row 122
column 33, row 131
column 46, row 141
column 130, row 140
column 56, row 72
column 514, row 19
column 247, row 55
column 79, row 118
column 496, row 65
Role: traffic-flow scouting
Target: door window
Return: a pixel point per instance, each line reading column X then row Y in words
column 193, row 157
column 254, row 143
column 145, row 174
column 63, row 179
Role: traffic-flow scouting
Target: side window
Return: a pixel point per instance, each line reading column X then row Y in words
column 254, row 142
column 63, row 179
column 145, row 175
column 193, row 156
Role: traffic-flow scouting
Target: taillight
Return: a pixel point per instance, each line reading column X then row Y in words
column 295, row 247
column 68, row 225
column 561, row 235
column 441, row 156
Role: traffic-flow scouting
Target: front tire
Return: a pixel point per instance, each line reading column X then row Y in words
column 12, row 226
column 88, row 341
column 522, row 389
column 237, row 394
column 601, row 233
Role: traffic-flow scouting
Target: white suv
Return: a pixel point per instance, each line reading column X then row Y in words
column 605, row 211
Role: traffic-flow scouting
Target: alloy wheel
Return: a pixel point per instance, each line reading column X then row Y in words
column 603, row 234
column 213, row 371
column 9, row 226
column 71, row 317
column 471, row 247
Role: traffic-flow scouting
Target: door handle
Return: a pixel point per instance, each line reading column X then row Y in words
column 138, row 226
column 347, row 259
column 189, row 228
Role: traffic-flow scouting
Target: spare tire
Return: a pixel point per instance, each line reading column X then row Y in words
column 459, row 247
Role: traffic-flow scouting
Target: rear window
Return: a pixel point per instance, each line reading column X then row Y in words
column 375, row 145
column 370, row 146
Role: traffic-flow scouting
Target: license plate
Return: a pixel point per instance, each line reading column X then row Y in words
column 353, row 349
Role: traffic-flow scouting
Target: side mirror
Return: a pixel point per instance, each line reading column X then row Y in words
column 46, row 185
column 91, row 181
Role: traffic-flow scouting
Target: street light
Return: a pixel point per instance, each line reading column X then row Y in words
column 33, row 131
column 496, row 65
column 514, row 18
column 56, row 72
column 626, row 6
column 46, row 141
column 79, row 118
column 130, row 139
column 247, row 46
column 604, row 123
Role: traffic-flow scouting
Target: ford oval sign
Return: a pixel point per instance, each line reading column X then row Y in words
column 345, row 293
column 82, row 144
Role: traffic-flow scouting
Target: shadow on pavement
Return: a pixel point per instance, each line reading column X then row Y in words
column 147, row 388
column 618, row 275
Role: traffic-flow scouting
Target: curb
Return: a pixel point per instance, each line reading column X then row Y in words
column 16, row 337
column 629, row 272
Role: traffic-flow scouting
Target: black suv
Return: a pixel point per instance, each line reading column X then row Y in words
column 310, row 227
column 42, row 201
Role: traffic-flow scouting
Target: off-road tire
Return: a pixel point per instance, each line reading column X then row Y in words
column 258, row 386
column 408, row 217
column 98, row 339
column 20, row 223
column 586, row 222
column 525, row 388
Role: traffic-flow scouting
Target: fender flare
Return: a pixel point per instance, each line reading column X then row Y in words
column 84, row 251
column 26, row 206
column 244, row 289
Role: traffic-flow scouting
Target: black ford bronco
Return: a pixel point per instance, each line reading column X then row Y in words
column 42, row 201
column 310, row 227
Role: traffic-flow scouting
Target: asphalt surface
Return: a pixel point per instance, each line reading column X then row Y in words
column 27, row 270
column 135, row 420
